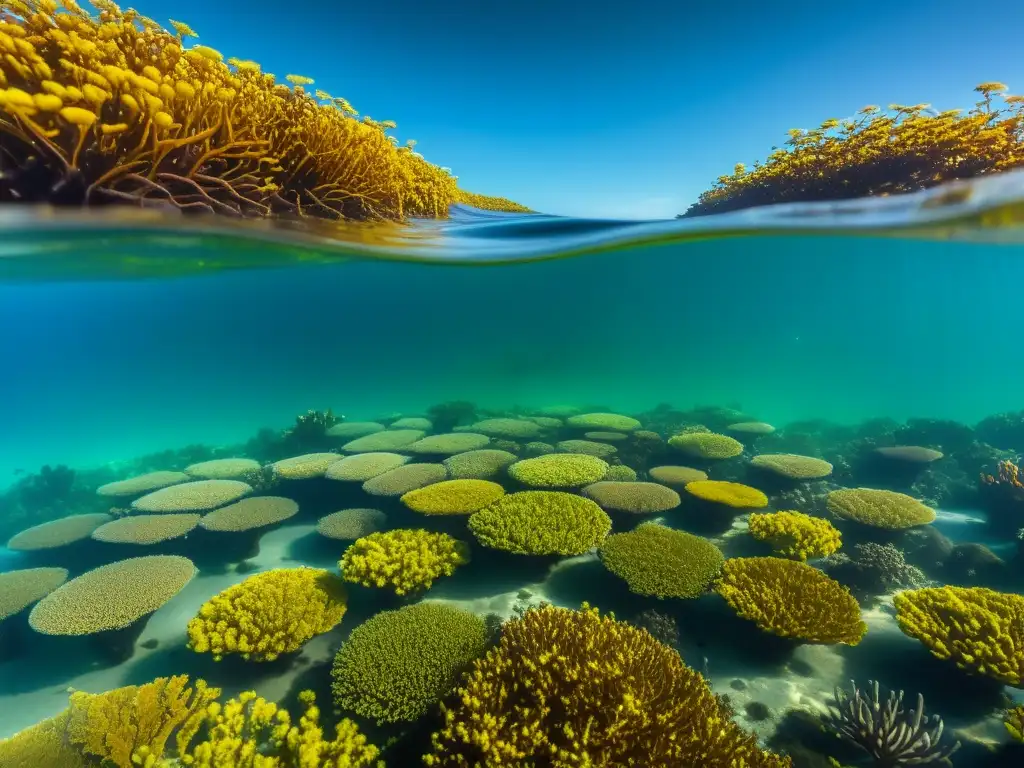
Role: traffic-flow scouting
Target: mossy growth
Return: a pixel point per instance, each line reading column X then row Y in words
column 1013, row 719
column 453, row 497
column 541, row 523
column 659, row 561
column 796, row 535
column 399, row 664
column 404, row 560
column 706, row 445
column 879, row 152
column 568, row 687
column 269, row 614
column 878, row 508
column 559, row 470
column 791, row 599
column 115, row 109
column 981, row 630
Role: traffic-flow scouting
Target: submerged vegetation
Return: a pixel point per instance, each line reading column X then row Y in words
column 116, row 109
column 879, row 152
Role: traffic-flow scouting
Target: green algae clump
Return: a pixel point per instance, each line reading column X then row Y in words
column 541, row 523
column 659, row 561
column 559, row 470
column 403, row 560
column 706, row 445
column 453, row 497
column 880, row 509
column 398, row 665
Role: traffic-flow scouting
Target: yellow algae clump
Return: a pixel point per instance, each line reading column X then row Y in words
column 796, row 535
column 396, row 666
column 706, row 445
column 223, row 469
column 449, row 444
column 146, row 529
column 304, row 467
column 408, row 477
column 268, row 614
column 351, row 524
column 676, row 477
column 254, row 512
column 391, row 440
column 730, row 494
column 574, row 688
column 979, row 629
column 514, row 429
column 140, row 484
column 453, row 497
column 559, row 470
column 791, row 599
column 403, row 560
column 635, row 497
column 660, row 561
column 196, row 496
column 541, row 523
column 881, row 509
column 112, row 596
column 478, row 465
column 43, row 744
column 604, row 421
column 363, row 466
column 19, row 589
column 58, row 533
column 793, row 466
column 350, row 430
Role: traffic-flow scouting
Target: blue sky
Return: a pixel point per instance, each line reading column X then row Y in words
column 614, row 109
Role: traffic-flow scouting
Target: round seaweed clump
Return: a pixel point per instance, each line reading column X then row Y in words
column 635, row 497
column 574, row 688
column 450, row 443
column 19, row 589
column 403, row 560
column 112, row 596
column 588, row 447
column 796, row 535
column 408, row 477
column 676, row 477
column 881, row 509
column 791, row 599
column 559, row 470
column 478, row 465
column 398, row 665
column 453, row 497
column 541, row 523
column 734, row 495
column 196, row 496
column 254, row 512
column 146, row 529
column 706, row 445
column 268, row 614
column 604, row 422
column 304, row 467
column 223, row 469
column 793, row 466
column 140, row 484
column 351, row 524
column 390, row 440
column 58, row 533
column 659, row 561
column 363, row 466
column 981, row 630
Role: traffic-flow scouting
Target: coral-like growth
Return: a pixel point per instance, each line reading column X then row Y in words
column 508, row 428
column 541, row 523
column 391, row 440
column 403, row 560
column 363, row 466
column 136, row 486
column 706, row 445
column 306, row 466
column 408, row 477
column 399, row 664
column 351, row 523
column 269, row 614
column 350, row 430
column 115, row 109
column 659, row 561
column 223, row 469
column 146, row 529
column 606, row 421
column 196, row 496
column 634, row 497
column 1009, row 479
column 734, row 495
column 874, row 569
column 792, row 466
column 881, row 509
column 480, row 465
column 58, row 533
column 979, row 629
column 559, row 470
column 43, row 744
column 574, row 688
column 453, row 497
column 878, row 152
column 796, row 535
column 791, row 599
column 620, row 473
column 254, row 512
column 489, row 202
column 449, row 443
column 1013, row 719
column 19, row 589
column 588, row 447
column 675, row 476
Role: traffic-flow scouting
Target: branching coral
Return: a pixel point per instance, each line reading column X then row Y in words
column 979, row 629
column 873, row 570
column 879, row 152
column 269, row 614
column 796, row 535
column 655, row 560
column 114, row 109
column 541, row 523
column 403, row 560
column 399, row 664
column 791, row 599
column 574, row 688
